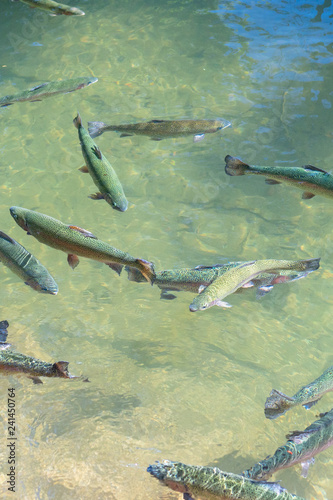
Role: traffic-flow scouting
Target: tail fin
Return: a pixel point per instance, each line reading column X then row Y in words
column 77, row 121
column 277, row 404
column 96, row 128
column 61, row 369
column 134, row 275
column 147, row 270
column 311, row 264
column 235, row 166
column 3, row 333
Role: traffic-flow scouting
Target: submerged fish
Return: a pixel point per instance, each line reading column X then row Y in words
column 14, row 362
column 76, row 241
column 210, row 483
column 162, row 129
column 301, row 447
column 101, row 171
column 53, row 8
column 278, row 403
column 26, row 266
column 310, row 179
column 48, row 89
column 237, row 277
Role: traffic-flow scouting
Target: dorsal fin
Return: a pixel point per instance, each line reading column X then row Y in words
column 97, row 152
column 7, row 238
column 314, row 169
column 38, row 86
column 157, row 121
column 86, row 233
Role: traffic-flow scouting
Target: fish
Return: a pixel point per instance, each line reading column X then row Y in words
column 301, row 447
column 26, row 266
column 53, row 8
column 102, row 173
column 162, row 129
column 210, row 483
column 12, row 362
column 75, row 241
column 193, row 279
column 48, row 89
column 278, row 403
column 237, row 277
column 310, row 179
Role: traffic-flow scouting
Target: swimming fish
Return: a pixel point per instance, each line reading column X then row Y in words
column 48, row 89
column 301, row 447
column 12, row 362
column 237, row 277
column 53, row 8
column 76, row 241
column 310, row 179
column 278, row 403
column 101, row 171
column 162, row 129
column 210, row 483
column 26, row 266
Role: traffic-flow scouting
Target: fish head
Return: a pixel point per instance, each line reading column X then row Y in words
column 121, row 205
column 18, row 215
column 90, row 81
column 201, row 303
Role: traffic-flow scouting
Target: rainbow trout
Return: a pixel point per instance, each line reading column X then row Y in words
column 278, row 403
column 48, row 89
column 239, row 276
column 76, row 241
column 101, row 171
column 210, row 483
column 15, row 363
column 301, row 447
column 26, row 266
column 162, row 129
column 192, row 280
column 53, row 8
column 310, row 179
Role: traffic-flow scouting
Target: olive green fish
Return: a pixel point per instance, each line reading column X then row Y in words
column 76, row 241
column 47, row 89
column 26, row 266
column 53, row 8
column 12, row 362
column 162, row 129
column 310, row 179
column 101, row 171
column 278, row 403
column 239, row 276
column 301, row 447
column 210, row 483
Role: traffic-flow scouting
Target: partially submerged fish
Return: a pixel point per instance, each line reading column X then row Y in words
column 278, row 403
column 210, row 483
column 15, row 363
column 310, row 179
column 301, row 447
column 48, row 89
column 162, row 129
column 26, row 266
column 76, row 241
column 100, row 170
column 239, row 276
column 53, row 8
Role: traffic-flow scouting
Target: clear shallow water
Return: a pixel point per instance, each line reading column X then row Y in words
column 166, row 383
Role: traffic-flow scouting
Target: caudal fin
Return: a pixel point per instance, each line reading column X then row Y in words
column 77, row 121
column 311, row 264
column 235, row 166
column 61, row 369
column 277, row 404
column 96, row 128
column 147, row 270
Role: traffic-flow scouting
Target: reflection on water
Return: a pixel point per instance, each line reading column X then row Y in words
column 166, row 383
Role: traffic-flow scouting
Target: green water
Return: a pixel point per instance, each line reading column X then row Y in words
column 166, row 383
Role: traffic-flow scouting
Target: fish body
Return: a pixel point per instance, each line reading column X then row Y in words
column 26, row 266
column 301, row 447
column 76, row 241
column 48, row 89
column 162, row 129
column 102, row 173
column 237, row 277
column 53, row 8
column 278, row 403
column 210, row 483
column 310, row 179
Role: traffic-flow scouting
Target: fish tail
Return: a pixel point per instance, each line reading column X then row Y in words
column 310, row 264
column 61, row 369
column 77, row 121
column 147, row 270
column 277, row 404
column 134, row 274
column 235, row 166
column 95, row 128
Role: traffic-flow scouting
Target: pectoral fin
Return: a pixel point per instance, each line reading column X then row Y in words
column 262, row 290
column 307, row 406
column 86, row 233
column 307, row 196
column 72, row 260
column 198, row 137
column 96, row 196
column 201, row 288
column 84, row 169
column 305, row 466
column 221, row 303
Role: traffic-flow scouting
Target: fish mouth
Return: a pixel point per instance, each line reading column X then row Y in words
column 20, row 221
column 193, row 308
